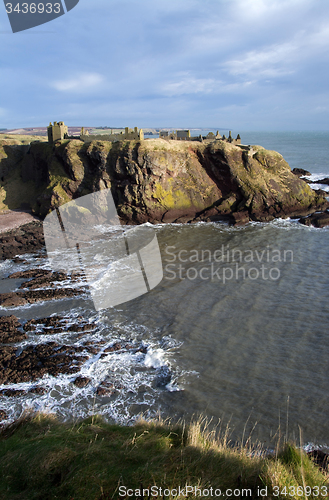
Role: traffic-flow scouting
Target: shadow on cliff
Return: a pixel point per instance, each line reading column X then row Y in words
column 22, row 179
column 218, row 170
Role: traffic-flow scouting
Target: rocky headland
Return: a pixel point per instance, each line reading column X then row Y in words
column 156, row 180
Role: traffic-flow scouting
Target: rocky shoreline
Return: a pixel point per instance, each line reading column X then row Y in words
column 22, row 361
column 52, row 358
column 29, row 237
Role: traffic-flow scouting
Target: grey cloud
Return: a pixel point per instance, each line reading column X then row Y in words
column 196, row 62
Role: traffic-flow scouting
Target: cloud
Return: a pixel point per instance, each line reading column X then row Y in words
column 184, row 62
column 272, row 61
column 79, row 83
column 321, row 109
column 257, row 10
column 280, row 59
column 188, row 85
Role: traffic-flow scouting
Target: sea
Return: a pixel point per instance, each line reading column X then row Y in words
column 236, row 332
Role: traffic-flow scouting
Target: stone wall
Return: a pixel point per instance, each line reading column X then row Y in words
column 128, row 135
column 185, row 135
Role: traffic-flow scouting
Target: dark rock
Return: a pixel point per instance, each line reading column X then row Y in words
column 9, row 330
column 12, row 392
column 102, row 391
column 105, row 389
column 81, row 328
column 50, row 331
column 321, row 192
column 54, row 324
column 42, row 285
column 19, row 260
column 81, row 382
column 12, row 299
column 300, row 172
column 320, row 458
column 27, row 239
column 163, row 376
column 114, row 347
column 3, row 415
column 45, row 280
column 15, row 299
column 317, row 220
column 142, row 349
column 30, row 273
column 91, row 348
column 38, row 390
column 240, row 218
column 30, row 325
column 53, row 321
column 323, row 181
column 36, row 361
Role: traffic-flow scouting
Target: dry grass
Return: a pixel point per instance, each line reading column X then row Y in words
column 41, row 458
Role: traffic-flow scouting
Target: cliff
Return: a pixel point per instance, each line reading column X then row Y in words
column 156, row 180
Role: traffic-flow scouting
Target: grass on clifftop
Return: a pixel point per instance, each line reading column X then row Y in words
column 21, row 139
column 41, row 458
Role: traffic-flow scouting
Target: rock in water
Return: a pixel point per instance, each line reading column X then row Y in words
column 9, row 330
column 300, row 172
column 317, row 220
column 28, row 238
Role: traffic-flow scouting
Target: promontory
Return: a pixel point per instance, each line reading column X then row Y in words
column 156, row 180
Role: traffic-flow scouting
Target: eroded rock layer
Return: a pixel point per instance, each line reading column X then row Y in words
column 158, row 180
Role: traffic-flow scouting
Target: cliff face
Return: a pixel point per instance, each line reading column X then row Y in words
column 156, row 180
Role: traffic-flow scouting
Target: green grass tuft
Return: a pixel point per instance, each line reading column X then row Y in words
column 41, row 458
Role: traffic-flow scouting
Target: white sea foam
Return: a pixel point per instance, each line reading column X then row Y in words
column 324, row 187
column 136, row 376
column 314, row 178
column 154, row 359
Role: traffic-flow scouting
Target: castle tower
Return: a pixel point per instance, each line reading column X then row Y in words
column 57, row 132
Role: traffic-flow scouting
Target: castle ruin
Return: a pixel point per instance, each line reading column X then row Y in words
column 185, row 135
column 56, row 132
column 128, row 135
column 59, row 131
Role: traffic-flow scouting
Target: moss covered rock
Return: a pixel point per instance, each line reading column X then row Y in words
column 157, row 180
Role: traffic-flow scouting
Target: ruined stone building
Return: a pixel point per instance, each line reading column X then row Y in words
column 59, row 131
column 56, row 132
column 128, row 135
column 185, row 135
column 179, row 135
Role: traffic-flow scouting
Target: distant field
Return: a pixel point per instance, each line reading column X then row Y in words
column 72, row 131
column 21, row 138
column 40, row 131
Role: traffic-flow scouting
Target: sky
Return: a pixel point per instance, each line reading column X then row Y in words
column 244, row 65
